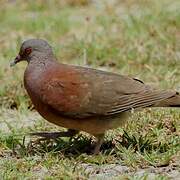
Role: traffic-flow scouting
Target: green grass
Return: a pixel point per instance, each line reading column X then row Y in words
column 136, row 38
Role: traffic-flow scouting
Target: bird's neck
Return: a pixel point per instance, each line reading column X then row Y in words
column 38, row 65
column 41, row 61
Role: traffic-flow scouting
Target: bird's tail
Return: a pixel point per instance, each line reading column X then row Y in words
column 173, row 101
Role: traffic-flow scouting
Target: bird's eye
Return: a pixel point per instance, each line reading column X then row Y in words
column 28, row 50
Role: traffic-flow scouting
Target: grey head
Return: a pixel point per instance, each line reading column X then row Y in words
column 33, row 48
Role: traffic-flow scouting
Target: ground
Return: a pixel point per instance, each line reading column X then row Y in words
column 136, row 38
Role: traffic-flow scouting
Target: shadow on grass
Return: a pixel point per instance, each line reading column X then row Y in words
column 77, row 145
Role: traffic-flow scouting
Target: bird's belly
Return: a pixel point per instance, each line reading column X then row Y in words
column 93, row 125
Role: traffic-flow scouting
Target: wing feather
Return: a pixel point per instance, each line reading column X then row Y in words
column 87, row 92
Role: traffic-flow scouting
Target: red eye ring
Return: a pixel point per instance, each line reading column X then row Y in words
column 28, row 50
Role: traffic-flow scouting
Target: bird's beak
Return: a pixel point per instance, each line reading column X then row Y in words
column 16, row 60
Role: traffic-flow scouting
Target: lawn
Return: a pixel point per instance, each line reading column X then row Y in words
column 136, row 38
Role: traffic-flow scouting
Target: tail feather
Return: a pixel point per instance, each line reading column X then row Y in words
column 173, row 101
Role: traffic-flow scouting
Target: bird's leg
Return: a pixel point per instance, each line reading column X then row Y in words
column 54, row 135
column 100, row 140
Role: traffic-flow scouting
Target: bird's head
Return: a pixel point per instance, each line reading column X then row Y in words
column 30, row 48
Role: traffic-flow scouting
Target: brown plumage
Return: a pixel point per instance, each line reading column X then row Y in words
column 84, row 99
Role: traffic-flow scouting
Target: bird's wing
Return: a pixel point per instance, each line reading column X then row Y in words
column 85, row 92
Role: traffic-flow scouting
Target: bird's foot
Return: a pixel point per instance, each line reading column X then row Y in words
column 47, row 136
column 100, row 140
column 54, row 135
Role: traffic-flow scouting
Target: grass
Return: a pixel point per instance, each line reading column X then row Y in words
column 137, row 38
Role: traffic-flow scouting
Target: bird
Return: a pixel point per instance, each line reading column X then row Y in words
column 82, row 98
